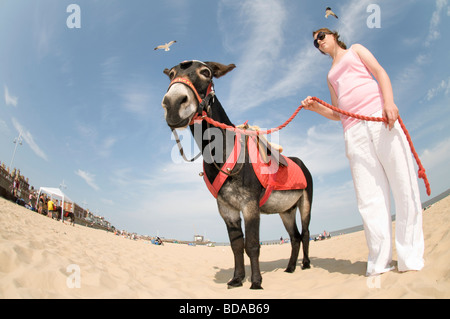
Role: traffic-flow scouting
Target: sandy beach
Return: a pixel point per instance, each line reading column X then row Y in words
column 44, row 258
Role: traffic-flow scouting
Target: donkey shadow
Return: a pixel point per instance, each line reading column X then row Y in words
column 332, row 265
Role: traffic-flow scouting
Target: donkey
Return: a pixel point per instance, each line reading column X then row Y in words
column 191, row 82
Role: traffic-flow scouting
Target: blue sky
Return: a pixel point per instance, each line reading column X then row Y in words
column 88, row 100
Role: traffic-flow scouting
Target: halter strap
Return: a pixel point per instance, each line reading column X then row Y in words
column 200, row 112
column 191, row 86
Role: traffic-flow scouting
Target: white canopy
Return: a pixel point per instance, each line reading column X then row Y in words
column 56, row 193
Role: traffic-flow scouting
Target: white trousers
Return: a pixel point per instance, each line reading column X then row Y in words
column 381, row 159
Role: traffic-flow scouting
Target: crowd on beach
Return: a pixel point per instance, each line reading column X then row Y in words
column 16, row 188
column 323, row 236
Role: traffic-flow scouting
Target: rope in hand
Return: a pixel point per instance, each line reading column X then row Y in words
column 421, row 172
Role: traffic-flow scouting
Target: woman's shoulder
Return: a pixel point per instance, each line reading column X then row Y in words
column 358, row 48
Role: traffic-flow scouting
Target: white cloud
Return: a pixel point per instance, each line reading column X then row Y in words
column 86, row 131
column 259, row 41
column 171, row 173
column 435, row 161
column 29, row 139
column 180, row 16
column 322, row 149
column 88, row 178
column 350, row 23
column 265, row 72
column 4, row 128
column 9, row 99
column 438, row 155
column 110, row 70
column 106, row 146
column 133, row 92
column 444, row 86
column 434, row 33
column 121, row 177
column 136, row 101
column 45, row 30
column 330, row 200
column 106, row 201
column 258, row 32
column 406, row 81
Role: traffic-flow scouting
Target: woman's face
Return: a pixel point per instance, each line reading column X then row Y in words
column 326, row 44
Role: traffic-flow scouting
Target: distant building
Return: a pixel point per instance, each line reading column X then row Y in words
column 198, row 238
column 79, row 211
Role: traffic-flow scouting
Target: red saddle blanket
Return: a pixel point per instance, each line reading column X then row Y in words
column 271, row 175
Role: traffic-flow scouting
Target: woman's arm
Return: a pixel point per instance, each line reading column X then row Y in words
column 390, row 110
column 315, row 106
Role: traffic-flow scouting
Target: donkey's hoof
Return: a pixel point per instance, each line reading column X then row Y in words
column 290, row 270
column 256, row 286
column 234, row 283
column 306, row 266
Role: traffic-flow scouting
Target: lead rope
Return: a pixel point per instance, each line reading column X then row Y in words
column 421, row 172
column 180, row 148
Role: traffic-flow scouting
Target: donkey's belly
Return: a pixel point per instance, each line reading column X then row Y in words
column 237, row 196
column 281, row 201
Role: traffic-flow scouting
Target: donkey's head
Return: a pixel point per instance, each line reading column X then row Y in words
column 190, row 84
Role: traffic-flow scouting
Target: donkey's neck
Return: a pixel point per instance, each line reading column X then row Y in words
column 211, row 139
column 219, row 114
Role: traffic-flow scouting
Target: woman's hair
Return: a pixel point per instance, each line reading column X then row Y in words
column 336, row 37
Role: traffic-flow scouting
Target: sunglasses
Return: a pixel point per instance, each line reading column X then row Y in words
column 320, row 36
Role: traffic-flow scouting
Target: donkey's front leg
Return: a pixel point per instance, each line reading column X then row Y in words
column 252, row 245
column 232, row 218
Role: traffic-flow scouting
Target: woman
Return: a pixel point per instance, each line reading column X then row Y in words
column 378, row 153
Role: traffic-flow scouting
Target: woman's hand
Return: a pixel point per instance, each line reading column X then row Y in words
column 313, row 105
column 310, row 104
column 390, row 111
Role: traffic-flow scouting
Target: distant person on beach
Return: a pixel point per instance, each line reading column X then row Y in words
column 378, row 153
column 30, row 199
column 41, row 203
column 16, row 184
column 51, row 208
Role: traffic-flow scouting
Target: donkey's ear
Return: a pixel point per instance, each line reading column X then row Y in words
column 166, row 71
column 220, row 69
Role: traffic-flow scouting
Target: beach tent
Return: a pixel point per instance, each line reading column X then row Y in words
column 58, row 194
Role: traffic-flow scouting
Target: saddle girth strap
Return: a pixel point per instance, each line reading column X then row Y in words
column 221, row 177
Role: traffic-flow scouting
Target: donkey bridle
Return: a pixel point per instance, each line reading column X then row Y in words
column 203, row 106
column 203, row 109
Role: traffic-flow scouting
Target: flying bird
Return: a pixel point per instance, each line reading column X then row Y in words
column 166, row 46
column 328, row 12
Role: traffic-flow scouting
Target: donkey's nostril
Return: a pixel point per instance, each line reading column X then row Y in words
column 170, row 101
column 165, row 102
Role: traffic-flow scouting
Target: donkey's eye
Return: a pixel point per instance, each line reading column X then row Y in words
column 172, row 74
column 205, row 72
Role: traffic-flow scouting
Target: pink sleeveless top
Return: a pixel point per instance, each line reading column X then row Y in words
column 356, row 89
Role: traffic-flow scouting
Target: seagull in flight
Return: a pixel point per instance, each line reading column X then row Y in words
column 328, row 12
column 166, row 46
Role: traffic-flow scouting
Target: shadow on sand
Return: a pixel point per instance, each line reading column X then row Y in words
column 332, row 265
